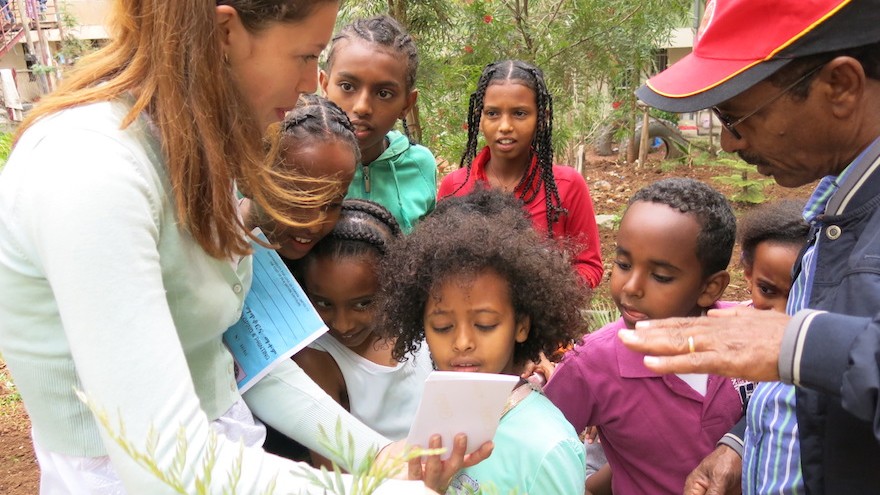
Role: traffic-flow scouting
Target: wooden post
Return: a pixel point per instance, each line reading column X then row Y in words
column 646, row 132
column 579, row 160
column 62, row 29
column 44, row 45
column 712, row 150
column 29, row 41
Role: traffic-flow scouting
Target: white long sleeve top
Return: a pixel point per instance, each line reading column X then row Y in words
column 103, row 292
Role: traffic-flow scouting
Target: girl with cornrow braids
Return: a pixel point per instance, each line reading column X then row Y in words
column 514, row 111
column 316, row 142
column 351, row 362
column 371, row 74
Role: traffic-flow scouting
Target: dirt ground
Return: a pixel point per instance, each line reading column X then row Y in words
column 611, row 185
column 18, row 468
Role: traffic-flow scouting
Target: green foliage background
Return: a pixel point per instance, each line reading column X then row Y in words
column 593, row 52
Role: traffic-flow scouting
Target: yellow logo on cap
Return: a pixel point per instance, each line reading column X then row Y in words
column 708, row 14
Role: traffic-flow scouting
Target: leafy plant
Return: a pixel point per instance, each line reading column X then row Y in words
column 602, row 312
column 750, row 190
column 663, row 114
column 367, row 475
column 5, row 147
column 12, row 397
column 670, row 165
column 171, row 475
column 43, row 69
column 72, row 47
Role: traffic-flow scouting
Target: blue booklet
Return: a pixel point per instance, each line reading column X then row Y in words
column 277, row 320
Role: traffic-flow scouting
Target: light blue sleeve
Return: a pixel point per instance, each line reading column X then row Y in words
column 292, row 403
column 561, row 471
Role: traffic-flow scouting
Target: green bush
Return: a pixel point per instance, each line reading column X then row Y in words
column 592, row 52
column 750, row 190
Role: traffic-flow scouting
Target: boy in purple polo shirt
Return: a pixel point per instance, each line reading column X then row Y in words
column 673, row 247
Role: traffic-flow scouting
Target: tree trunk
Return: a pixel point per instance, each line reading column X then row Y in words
column 643, row 139
column 414, row 124
column 397, row 10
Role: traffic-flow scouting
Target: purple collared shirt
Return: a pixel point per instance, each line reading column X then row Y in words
column 655, row 429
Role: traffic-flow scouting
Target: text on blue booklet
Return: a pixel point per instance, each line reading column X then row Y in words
column 277, row 320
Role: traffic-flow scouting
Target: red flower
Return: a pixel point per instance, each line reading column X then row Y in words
column 468, row 49
column 487, row 18
column 615, row 105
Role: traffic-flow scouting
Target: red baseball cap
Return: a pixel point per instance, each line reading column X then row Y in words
column 742, row 42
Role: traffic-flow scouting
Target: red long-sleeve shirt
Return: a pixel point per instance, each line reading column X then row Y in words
column 577, row 226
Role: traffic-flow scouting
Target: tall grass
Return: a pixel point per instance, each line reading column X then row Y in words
column 602, row 312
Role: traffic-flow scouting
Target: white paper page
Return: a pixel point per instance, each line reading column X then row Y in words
column 457, row 402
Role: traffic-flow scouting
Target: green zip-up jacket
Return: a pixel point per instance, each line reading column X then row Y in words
column 403, row 179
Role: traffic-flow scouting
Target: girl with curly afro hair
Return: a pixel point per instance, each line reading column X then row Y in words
column 488, row 294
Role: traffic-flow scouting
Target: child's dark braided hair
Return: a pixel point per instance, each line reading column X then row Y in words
column 364, row 227
column 385, row 31
column 517, row 71
column 315, row 117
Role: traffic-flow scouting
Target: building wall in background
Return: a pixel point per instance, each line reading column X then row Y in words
column 91, row 16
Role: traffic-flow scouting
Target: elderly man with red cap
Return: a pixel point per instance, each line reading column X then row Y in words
column 796, row 84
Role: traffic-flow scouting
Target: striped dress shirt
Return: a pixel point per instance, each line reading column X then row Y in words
column 771, row 456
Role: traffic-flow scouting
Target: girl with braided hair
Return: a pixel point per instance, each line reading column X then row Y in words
column 514, row 111
column 316, row 142
column 352, row 363
column 371, row 74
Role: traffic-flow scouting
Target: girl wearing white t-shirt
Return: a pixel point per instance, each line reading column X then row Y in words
column 352, row 363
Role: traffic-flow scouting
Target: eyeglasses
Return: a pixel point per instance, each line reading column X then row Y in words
column 731, row 126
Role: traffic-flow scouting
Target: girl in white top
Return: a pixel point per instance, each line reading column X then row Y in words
column 351, row 362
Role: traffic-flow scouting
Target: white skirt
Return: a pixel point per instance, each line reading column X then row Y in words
column 65, row 474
